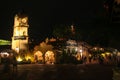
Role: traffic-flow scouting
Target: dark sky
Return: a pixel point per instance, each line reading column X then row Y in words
column 87, row 15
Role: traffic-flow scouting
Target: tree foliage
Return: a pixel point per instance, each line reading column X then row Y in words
column 61, row 31
column 65, row 31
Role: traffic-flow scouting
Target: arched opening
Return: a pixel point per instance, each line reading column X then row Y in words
column 49, row 57
column 38, row 57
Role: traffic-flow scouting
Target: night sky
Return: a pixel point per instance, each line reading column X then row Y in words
column 87, row 15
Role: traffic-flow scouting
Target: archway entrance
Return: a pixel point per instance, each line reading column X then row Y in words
column 49, row 57
column 38, row 56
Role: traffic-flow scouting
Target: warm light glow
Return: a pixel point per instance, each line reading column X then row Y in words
column 52, row 40
column 17, row 33
column 76, row 49
column 81, row 54
column 49, row 57
column 3, row 54
column 103, row 54
column 89, row 55
column 24, row 20
column 81, row 50
column 38, row 56
column 17, row 50
column 20, row 33
column 118, row 54
column 28, row 57
column 107, row 53
column 19, row 59
column 78, row 56
column 95, row 48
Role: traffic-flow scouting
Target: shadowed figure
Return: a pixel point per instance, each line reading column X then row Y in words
column 6, row 68
column 14, row 62
column 6, row 63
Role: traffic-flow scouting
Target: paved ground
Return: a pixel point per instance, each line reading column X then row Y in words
column 59, row 72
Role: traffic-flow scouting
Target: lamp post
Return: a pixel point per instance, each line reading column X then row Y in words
column 81, row 53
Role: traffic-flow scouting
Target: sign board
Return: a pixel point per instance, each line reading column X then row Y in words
column 19, row 37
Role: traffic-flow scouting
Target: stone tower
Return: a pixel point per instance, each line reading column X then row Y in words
column 20, row 33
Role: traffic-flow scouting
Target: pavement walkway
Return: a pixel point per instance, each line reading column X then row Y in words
column 59, row 72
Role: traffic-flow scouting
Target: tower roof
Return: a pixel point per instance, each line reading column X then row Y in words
column 22, row 15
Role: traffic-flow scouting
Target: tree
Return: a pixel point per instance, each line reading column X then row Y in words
column 67, row 31
column 61, row 31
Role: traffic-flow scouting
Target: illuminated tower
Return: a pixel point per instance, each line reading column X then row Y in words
column 20, row 33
